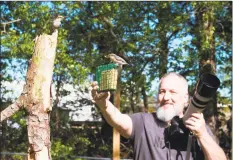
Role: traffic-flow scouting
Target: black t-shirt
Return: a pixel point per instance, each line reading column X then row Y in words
column 148, row 139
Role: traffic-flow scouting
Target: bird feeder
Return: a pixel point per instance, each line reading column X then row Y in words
column 106, row 76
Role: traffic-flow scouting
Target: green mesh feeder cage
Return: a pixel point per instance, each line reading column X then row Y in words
column 106, row 76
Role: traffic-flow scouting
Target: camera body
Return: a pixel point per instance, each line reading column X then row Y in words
column 176, row 135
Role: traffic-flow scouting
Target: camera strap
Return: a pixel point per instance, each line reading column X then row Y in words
column 190, row 138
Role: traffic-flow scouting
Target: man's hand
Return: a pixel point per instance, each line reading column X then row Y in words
column 211, row 149
column 196, row 123
column 98, row 98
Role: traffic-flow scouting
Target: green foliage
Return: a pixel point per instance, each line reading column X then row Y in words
column 60, row 150
column 153, row 37
column 18, row 157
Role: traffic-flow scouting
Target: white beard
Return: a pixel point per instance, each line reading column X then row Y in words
column 167, row 114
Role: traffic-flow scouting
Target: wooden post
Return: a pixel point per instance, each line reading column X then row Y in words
column 116, row 145
column 116, row 134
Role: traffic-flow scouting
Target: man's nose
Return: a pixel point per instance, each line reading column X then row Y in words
column 167, row 96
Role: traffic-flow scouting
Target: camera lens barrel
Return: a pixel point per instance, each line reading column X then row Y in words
column 205, row 89
column 208, row 85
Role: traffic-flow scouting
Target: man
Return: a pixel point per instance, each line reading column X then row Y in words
column 146, row 130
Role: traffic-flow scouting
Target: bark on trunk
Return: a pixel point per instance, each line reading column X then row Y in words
column 207, row 57
column 36, row 97
column 145, row 99
column 163, row 60
column 131, row 97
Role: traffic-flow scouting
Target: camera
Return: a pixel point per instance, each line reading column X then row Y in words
column 176, row 135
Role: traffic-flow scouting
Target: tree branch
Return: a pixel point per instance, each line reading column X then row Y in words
column 9, row 111
column 5, row 23
column 186, row 72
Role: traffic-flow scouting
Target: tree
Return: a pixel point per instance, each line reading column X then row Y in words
column 36, row 96
column 205, row 41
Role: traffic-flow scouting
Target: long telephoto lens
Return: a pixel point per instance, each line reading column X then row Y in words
column 205, row 89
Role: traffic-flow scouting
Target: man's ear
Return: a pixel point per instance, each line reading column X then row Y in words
column 186, row 99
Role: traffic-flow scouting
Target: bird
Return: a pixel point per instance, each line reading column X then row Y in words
column 116, row 59
column 57, row 22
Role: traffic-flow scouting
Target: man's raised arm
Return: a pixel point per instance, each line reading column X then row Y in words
column 122, row 122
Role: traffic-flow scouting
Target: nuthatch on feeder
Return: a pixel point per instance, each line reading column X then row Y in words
column 116, row 59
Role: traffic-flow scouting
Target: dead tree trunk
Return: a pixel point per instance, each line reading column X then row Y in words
column 36, row 97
